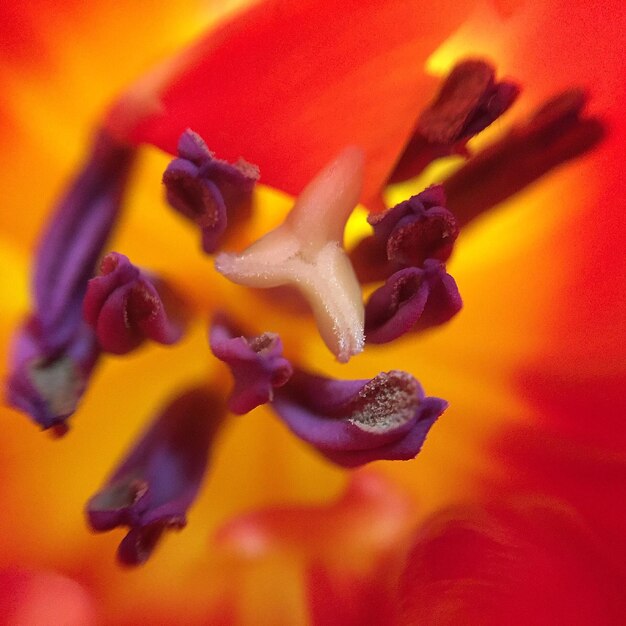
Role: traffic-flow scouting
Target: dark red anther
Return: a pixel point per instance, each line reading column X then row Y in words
column 469, row 100
column 557, row 132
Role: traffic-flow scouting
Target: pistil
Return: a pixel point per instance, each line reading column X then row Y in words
column 307, row 252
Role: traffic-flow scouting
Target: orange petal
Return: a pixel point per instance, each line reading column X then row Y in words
column 348, row 553
column 370, row 518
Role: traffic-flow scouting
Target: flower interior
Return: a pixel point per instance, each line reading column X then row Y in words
column 392, row 285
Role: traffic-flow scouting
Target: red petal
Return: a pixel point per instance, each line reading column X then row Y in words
column 289, row 84
column 350, row 549
column 43, row 597
column 526, row 562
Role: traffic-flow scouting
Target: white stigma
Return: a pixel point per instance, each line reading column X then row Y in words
column 306, row 251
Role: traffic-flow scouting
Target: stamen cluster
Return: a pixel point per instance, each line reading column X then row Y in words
column 77, row 317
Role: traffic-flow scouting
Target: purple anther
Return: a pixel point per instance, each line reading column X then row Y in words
column 207, row 190
column 159, row 479
column 412, row 299
column 49, row 388
column 354, row 422
column 256, row 363
column 76, row 235
column 417, row 229
column 55, row 351
column 469, row 100
column 124, row 307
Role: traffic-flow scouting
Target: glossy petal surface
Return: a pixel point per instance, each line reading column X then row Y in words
column 485, row 566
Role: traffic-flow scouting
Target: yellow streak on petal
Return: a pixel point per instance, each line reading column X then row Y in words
column 14, row 264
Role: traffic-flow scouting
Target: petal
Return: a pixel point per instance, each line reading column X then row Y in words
column 349, row 550
column 520, row 562
column 312, row 76
column 32, row 598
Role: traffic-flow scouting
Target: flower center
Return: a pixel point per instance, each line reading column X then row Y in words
column 306, row 252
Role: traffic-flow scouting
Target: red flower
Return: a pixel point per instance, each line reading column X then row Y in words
column 525, row 475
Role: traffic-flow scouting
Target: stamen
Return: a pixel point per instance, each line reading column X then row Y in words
column 208, row 191
column 55, row 351
column 157, row 482
column 406, row 235
column 468, row 101
column 50, row 388
column 124, row 307
column 306, row 252
column 556, row 133
column 354, row 422
column 69, row 250
column 257, row 364
column 411, row 299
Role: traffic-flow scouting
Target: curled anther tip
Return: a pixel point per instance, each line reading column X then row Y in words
column 192, row 147
column 412, row 299
column 406, row 235
column 469, row 100
column 418, row 228
column 158, row 480
column 558, row 131
column 566, row 105
column 353, row 422
column 125, row 307
column 207, row 190
column 256, row 363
